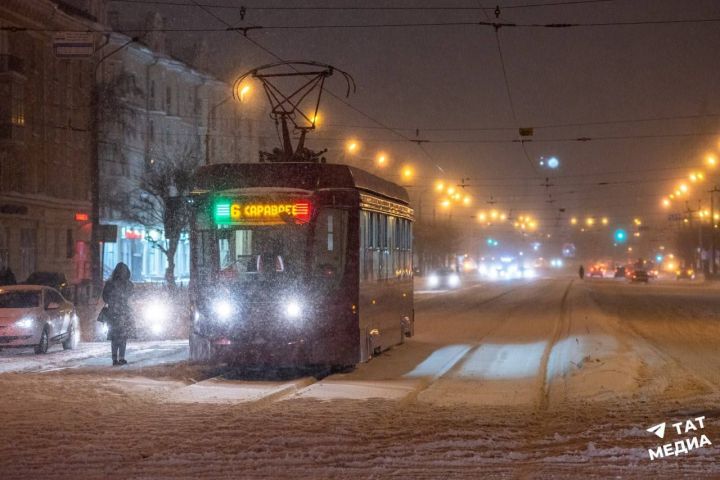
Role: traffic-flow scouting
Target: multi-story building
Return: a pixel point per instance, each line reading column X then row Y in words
column 148, row 107
column 45, row 142
column 161, row 110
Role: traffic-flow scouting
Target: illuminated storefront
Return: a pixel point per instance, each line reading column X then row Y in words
column 138, row 247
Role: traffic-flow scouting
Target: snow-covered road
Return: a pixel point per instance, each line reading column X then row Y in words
column 556, row 377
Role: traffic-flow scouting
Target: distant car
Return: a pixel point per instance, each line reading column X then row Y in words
column 620, row 272
column 639, row 276
column 54, row 280
column 443, row 278
column 685, row 274
column 36, row 316
column 653, row 273
column 596, row 271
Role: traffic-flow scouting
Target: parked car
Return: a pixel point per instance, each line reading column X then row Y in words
column 685, row 274
column 54, row 280
column 36, row 316
column 639, row 275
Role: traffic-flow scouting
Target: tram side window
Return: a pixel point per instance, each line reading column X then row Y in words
column 330, row 242
column 365, row 254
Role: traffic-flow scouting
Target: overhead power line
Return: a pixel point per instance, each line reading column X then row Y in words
column 496, row 25
column 361, row 8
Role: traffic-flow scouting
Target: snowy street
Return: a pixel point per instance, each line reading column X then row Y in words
column 556, row 377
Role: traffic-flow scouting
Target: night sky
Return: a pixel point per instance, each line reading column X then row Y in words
column 655, row 85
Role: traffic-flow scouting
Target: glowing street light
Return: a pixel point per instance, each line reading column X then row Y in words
column 665, row 202
column 683, row 188
column 381, row 160
column 439, row 186
column 711, row 160
column 590, row 221
column 244, row 91
column 352, row 146
column 604, row 220
column 467, row 200
column 573, row 221
column 407, row 172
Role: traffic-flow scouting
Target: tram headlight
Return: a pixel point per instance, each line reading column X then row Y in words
column 453, row 280
column 223, row 309
column 293, row 309
column 433, row 281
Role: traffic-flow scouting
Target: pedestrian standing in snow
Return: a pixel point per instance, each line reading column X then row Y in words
column 581, row 272
column 121, row 325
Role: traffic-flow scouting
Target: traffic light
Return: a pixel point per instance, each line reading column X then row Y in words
column 620, row 235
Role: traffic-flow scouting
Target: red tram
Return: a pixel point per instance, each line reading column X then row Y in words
column 298, row 264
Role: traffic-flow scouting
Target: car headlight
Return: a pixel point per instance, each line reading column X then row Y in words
column 293, row 309
column 433, row 281
column 454, row 280
column 25, row 322
column 156, row 312
column 223, row 309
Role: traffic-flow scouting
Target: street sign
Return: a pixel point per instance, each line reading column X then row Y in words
column 73, row 44
column 107, row 233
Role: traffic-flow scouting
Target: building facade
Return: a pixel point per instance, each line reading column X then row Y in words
column 45, row 144
column 162, row 111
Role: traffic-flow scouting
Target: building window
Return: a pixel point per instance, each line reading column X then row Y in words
column 168, row 100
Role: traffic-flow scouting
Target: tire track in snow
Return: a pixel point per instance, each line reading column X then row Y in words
column 562, row 325
column 656, row 348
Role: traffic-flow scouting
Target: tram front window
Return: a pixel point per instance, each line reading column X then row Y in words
column 252, row 254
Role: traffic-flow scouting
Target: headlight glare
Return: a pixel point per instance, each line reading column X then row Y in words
column 293, row 309
column 155, row 311
column 223, row 309
column 26, row 322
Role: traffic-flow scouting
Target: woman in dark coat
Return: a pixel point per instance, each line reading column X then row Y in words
column 121, row 326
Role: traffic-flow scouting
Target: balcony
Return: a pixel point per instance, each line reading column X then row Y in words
column 11, row 63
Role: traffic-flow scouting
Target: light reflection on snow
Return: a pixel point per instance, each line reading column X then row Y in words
column 439, row 360
column 494, row 361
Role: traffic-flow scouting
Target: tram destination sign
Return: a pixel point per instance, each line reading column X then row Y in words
column 252, row 212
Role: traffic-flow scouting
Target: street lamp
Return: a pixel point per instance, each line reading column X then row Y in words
column 407, row 172
column 381, row 160
column 352, row 146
